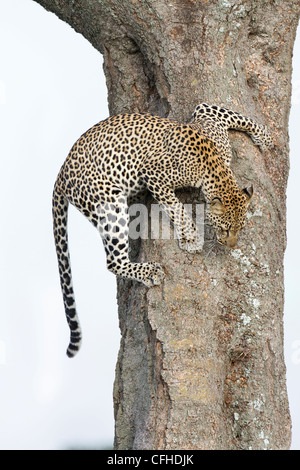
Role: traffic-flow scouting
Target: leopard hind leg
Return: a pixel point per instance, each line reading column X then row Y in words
column 113, row 225
column 109, row 214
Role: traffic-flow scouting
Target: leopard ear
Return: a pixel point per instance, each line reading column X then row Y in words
column 216, row 206
column 249, row 192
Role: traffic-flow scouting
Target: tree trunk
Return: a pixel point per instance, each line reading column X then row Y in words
column 201, row 362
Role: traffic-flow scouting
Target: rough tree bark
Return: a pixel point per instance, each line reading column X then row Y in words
column 201, row 362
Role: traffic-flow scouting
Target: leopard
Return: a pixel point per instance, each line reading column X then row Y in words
column 128, row 153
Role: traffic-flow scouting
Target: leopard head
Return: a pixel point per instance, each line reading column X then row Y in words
column 228, row 216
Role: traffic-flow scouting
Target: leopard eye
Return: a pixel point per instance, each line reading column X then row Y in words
column 225, row 227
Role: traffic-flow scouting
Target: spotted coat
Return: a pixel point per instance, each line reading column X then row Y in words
column 128, row 153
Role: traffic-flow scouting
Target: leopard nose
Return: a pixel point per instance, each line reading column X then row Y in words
column 231, row 241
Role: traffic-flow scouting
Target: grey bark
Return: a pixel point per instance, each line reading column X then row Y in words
column 201, row 361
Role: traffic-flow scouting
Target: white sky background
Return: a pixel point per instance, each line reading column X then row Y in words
column 52, row 89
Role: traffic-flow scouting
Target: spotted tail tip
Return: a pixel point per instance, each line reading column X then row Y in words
column 73, row 350
column 75, row 343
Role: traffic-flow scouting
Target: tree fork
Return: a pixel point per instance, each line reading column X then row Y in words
column 201, row 361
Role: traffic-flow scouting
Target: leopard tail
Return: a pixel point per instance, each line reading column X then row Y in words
column 60, row 216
